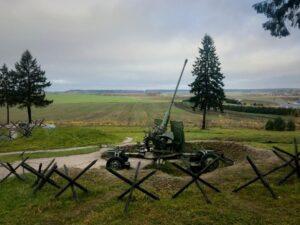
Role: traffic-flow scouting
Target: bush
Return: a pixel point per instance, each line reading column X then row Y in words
column 232, row 101
column 290, row 126
column 269, row 125
column 279, row 124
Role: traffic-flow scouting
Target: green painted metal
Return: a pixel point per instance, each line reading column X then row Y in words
column 177, row 129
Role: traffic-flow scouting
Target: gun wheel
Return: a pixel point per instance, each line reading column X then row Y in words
column 115, row 163
column 209, row 159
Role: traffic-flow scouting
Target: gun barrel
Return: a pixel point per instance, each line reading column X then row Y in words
column 167, row 114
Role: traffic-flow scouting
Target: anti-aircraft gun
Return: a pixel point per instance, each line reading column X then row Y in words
column 163, row 144
column 159, row 139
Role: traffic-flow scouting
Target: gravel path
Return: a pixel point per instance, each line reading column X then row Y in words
column 51, row 150
column 76, row 161
column 127, row 140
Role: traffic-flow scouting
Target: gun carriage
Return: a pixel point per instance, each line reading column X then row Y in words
column 161, row 144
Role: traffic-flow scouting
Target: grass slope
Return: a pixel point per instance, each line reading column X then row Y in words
column 75, row 136
column 252, row 205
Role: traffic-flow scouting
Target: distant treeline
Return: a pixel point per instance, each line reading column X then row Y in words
column 290, row 91
column 263, row 110
column 258, row 110
column 105, row 91
column 120, row 91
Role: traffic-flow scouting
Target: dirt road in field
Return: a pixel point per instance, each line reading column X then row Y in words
column 51, row 150
column 76, row 161
column 233, row 150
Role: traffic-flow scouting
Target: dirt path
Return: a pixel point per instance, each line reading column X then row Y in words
column 50, row 150
column 234, row 150
column 76, row 161
column 128, row 140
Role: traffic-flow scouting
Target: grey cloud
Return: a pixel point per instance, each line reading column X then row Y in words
column 142, row 43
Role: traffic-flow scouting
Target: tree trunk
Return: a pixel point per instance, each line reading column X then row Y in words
column 29, row 114
column 7, row 114
column 204, row 119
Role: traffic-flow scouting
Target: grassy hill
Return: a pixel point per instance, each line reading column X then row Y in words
column 252, row 205
column 75, row 136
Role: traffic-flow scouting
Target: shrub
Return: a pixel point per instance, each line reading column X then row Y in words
column 279, row 124
column 232, row 101
column 290, row 126
column 269, row 125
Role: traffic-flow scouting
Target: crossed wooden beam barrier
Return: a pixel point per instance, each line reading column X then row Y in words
column 72, row 182
column 259, row 176
column 41, row 171
column 134, row 184
column 8, row 136
column 293, row 162
column 197, row 180
column 39, row 123
column 74, row 193
column 44, row 178
column 225, row 159
column 2, row 126
column 132, row 188
column 263, row 175
column 26, row 130
column 12, row 170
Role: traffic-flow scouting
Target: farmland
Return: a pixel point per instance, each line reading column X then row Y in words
column 92, row 119
column 129, row 110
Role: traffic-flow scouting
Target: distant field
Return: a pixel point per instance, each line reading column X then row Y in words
column 70, row 98
column 128, row 110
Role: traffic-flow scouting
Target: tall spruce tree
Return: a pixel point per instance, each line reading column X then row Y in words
column 281, row 14
column 7, row 90
column 208, row 85
column 31, row 84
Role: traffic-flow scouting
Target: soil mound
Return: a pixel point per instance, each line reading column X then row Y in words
column 233, row 150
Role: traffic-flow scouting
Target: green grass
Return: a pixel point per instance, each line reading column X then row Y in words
column 64, row 137
column 75, row 136
column 37, row 155
column 242, row 135
column 255, row 138
column 252, row 205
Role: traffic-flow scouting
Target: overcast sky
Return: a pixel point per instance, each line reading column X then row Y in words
column 141, row 44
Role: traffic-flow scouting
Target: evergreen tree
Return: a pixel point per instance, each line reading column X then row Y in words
column 7, row 90
column 31, row 84
column 281, row 14
column 208, row 85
